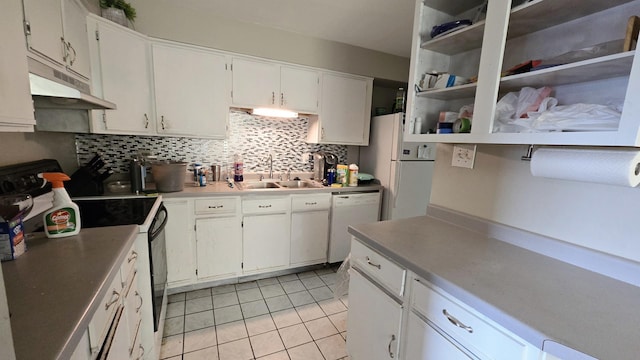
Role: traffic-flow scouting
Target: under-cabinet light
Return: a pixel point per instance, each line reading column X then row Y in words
column 274, row 112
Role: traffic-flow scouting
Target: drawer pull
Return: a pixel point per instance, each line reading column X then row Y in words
column 216, row 207
column 393, row 338
column 115, row 296
column 141, row 301
column 142, row 352
column 311, row 203
column 373, row 264
column 133, row 256
column 456, row 322
column 264, row 206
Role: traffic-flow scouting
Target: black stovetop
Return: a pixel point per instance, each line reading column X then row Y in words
column 111, row 212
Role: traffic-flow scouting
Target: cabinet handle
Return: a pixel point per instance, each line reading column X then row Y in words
column 311, row 203
column 264, row 206
column 391, row 354
column 141, row 301
column 142, row 353
column 281, row 99
column 456, row 322
column 146, row 121
column 216, row 207
column 273, row 98
column 373, row 264
column 75, row 55
column 162, row 122
column 115, row 296
column 322, row 133
column 133, row 256
column 65, row 50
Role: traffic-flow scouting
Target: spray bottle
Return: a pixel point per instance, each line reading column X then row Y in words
column 63, row 219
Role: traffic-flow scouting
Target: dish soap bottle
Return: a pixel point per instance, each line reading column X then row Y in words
column 63, row 219
column 238, row 168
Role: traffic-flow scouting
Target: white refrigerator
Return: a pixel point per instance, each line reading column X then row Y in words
column 403, row 168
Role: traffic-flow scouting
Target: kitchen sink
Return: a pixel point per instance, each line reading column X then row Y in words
column 259, row 185
column 297, row 184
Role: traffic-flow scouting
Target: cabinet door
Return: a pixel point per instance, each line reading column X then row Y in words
column 75, row 34
column 125, row 80
column 219, row 247
column 374, row 321
column 309, row 237
column 119, row 348
column 344, row 116
column 191, row 90
column 16, row 107
column 424, row 342
column 265, row 242
column 299, row 89
column 255, row 83
column 45, row 24
column 181, row 265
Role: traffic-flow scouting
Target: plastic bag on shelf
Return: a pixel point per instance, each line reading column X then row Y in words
column 515, row 105
column 341, row 287
column 576, row 117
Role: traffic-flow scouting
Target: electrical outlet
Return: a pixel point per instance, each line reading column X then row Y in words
column 464, row 156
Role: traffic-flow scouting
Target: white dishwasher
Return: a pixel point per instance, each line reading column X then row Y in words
column 350, row 208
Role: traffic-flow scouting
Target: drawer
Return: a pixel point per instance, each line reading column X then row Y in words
column 378, row 267
column 128, row 267
column 310, row 202
column 471, row 329
column 265, row 205
column 216, row 206
column 101, row 320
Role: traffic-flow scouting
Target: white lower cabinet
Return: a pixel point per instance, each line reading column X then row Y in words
column 425, row 342
column 373, row 325
column 309, row 228
column 181, row 265
column 423, row 323
column 218, row 238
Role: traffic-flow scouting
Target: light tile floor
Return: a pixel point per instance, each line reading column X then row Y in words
column 291, row 317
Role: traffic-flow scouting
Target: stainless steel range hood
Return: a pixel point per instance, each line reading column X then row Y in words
column 53, row 89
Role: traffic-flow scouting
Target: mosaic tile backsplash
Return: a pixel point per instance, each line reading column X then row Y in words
column 254, row 137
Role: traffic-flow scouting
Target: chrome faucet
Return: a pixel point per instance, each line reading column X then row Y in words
column 270, row 160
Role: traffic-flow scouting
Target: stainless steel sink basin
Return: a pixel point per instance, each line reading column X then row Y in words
column 297, row 184
column 259, row 185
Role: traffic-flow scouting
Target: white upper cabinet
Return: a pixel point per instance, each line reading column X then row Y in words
column 123, row 79
column 345, row 111
column 74, row 24
column 191, row 91
column 16, row 107
column 299, row 89
column 56, row 31
column 269, row 84
column 580, row 44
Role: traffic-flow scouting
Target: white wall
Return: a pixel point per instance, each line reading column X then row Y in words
column 500, row 188
column 173, row 21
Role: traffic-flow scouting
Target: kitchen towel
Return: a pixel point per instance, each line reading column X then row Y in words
column 614, row 167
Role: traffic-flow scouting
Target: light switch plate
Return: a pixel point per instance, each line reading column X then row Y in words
column 464, row 155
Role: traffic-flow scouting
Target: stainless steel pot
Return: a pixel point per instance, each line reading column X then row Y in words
column 169, row 176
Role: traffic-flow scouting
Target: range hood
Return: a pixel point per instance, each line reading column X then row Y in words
column 53, row 89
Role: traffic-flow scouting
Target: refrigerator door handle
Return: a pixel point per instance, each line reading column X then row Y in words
column 397, row 182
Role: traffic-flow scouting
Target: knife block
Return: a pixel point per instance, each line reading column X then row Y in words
column 84, row 182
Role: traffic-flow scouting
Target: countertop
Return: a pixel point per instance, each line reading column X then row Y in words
column 543, row 300
column 221, row 188
column 54, row 288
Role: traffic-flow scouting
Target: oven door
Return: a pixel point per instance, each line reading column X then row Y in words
column 158, row 261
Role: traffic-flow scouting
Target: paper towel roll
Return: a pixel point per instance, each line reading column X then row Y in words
column 615, row 167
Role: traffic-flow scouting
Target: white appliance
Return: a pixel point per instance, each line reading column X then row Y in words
column 403, row 168
column 350, row 208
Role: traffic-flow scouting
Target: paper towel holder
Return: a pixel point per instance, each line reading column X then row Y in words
column 527, row 156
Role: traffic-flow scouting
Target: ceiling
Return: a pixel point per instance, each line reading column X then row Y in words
column 381, row 25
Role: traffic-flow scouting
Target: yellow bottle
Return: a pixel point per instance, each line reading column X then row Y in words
column 63, row 218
